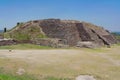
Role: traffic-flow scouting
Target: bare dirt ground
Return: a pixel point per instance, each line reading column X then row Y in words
column 103, row 64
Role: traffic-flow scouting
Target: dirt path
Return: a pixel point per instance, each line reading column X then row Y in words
column 39, row 56
column 47, row 56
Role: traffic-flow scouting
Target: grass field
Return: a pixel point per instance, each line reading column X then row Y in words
column 25, row 46
column 59, row 64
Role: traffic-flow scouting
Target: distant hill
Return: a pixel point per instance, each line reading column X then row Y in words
column 117, row 33
column 1, row 31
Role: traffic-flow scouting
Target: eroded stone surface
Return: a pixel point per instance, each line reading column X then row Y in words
column 20, row 71
column 85, row 77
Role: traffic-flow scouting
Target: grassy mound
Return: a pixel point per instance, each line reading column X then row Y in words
column 19, row 32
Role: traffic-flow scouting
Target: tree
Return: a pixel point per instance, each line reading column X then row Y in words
column 5, row 29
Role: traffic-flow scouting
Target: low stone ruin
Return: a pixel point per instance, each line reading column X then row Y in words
column 4, row 42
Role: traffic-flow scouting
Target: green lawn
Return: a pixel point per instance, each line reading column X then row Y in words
column 9, row 76
column 13, row 77
column 25, row 46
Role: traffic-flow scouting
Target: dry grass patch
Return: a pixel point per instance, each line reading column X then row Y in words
column 65, row 63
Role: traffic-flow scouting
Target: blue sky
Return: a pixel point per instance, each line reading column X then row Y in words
column 105, row 13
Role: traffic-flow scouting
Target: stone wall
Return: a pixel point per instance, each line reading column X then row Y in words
column 61, row 30
column 52, row 42
column 7, row 42
column 75, row 31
